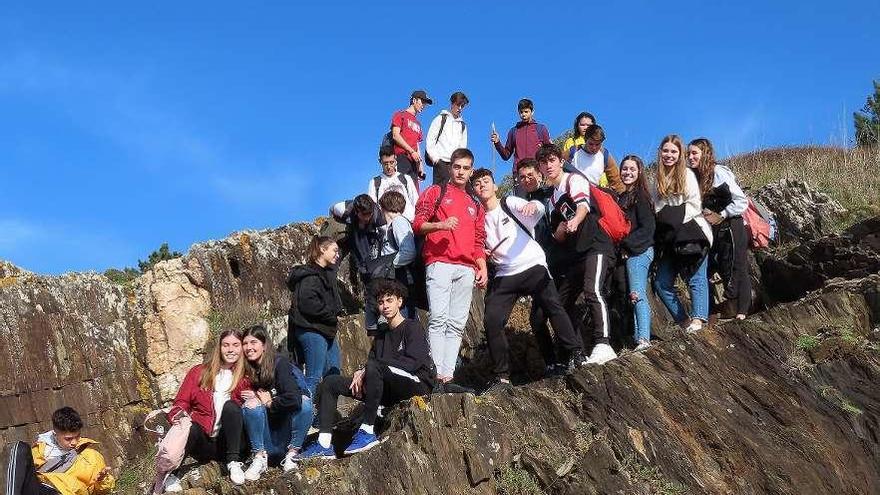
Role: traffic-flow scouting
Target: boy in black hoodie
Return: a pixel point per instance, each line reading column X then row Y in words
column 399, row 366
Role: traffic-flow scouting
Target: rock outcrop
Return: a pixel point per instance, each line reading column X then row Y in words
column 785, row 402
column 853, row 254
column 802, row 213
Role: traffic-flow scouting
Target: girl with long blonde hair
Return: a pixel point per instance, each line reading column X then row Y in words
column 683, row 236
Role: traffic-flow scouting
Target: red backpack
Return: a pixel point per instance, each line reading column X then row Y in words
column 612, row 219
column 756, row 226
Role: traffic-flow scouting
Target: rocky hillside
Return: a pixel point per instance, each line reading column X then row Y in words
column 742, row 408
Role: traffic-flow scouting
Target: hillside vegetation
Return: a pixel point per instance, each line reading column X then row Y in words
column 850, row 176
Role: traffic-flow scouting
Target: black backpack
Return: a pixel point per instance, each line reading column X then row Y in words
column 378, row 180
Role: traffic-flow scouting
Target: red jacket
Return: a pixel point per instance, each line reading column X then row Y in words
column 198, row 402
column 462, row 246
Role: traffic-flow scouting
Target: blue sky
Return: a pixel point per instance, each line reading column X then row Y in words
column 125, row 126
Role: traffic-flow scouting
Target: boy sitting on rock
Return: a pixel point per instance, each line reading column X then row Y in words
column 60, row 462
column 399, row 366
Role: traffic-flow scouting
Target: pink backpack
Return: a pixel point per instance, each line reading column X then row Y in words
column 757, row 228
column 171, row 446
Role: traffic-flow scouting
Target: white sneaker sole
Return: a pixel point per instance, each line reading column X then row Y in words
column 365, row 447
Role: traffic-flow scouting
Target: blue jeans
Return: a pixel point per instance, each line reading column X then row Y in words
column 664, row 286
column 637, row 268
column 318, row 355
column 290, row 433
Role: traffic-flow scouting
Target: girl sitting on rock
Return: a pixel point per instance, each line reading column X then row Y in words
column 314, row 310
column 277, row 411
column 211, row 395
column 399, row 366
column 683, row 237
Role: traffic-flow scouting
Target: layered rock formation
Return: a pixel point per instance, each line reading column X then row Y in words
column 740, row 409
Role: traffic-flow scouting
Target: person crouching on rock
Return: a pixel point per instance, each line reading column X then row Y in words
column 60, row 462
column 211, row 395
column 313, row 318
column 277, row 411
column 399, row 366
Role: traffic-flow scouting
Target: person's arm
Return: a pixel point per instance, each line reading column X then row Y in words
column 568, row 148
column 183, row 400
column 339, row 210
column 506, row 150
column 579, row 191
column 462, row 143
column 529, row 213
column 612, row 173
column 545, row 135
column 424, row 223
column 738, row 200
column 288, row 396
column 311, row 302
column 431, row 144
column 413, row 153
column 406, row 243
column 482, row 276
column 103, row 482
column 412, row 194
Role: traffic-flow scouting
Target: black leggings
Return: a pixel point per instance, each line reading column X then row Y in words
column 381, row 386
column 500, row 298
column 730, row 258
column 226, row 446
column 20, row 473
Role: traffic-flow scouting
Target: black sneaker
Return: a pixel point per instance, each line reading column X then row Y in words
column 578, row 360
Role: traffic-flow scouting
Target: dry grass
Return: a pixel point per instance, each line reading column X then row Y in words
column 848, row 175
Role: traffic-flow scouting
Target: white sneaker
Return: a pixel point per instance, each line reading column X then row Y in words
column 235, row 473
column 258, row 466
column 601, row 354
column 694, row 326
column 289, row 464
column 643, row 345
column 172, row 484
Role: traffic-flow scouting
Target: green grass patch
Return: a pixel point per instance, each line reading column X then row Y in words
column 807, row 342
column 513, row 480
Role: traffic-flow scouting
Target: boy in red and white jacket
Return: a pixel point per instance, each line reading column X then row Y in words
column 453, row 225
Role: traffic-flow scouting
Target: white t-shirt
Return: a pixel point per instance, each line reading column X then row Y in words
column 518, row 252
column 386, row 183
column 593, row 166
column 222, row 393
column 692, row 201
column 576, row 186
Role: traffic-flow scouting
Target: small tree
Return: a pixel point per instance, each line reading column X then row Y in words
column 161, row 254
column 867, row 120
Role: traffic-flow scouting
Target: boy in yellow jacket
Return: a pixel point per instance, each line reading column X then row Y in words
column 60, row 462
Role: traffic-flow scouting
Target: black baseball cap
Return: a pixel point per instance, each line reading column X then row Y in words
column 422, row 95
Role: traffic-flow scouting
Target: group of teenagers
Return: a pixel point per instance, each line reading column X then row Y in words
column 428, row 247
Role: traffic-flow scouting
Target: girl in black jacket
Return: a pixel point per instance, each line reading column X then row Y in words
column 277, row 411
column 637, row 248
column 315, row 306
column 399, row 367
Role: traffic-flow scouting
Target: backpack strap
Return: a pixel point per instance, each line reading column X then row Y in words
column 376, row 181
column 510, row 214
column 443, row 117
column 402, row 179
column 605, row 155
column 439, row 199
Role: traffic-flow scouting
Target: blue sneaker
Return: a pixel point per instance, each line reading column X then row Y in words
column 315, row 451
column 362, row 441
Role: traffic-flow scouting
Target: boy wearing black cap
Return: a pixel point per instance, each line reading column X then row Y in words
column 406, row 132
